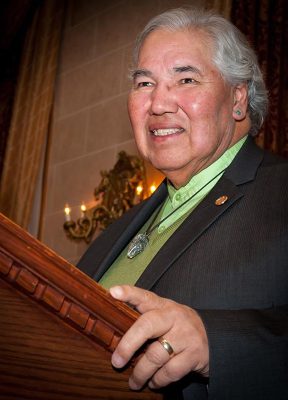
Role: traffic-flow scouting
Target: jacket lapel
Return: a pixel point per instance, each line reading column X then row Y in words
column 242, row 170
column 194, row 226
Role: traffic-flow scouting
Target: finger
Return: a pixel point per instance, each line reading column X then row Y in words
column 148, row 326
column 153, row 359
column 143, row 300
column 177, row 367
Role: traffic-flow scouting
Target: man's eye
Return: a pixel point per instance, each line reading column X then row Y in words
column 143, row 84
column 187, row 80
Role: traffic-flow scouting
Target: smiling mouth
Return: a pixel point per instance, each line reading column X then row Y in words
column 167, row 132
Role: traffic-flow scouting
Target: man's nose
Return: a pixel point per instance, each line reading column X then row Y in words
column 163, row 100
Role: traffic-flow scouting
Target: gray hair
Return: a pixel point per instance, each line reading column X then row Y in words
column 233, row 56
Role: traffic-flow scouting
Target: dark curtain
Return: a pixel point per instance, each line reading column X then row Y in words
column 15, row 17
column 265, row 23
column 32, row 106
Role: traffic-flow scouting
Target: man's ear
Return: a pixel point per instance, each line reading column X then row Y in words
column 240, row 101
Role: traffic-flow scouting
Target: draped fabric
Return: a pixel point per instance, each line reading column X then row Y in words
column 31, row 112
column 6, row 103
column 265, row 24
column 15, row 16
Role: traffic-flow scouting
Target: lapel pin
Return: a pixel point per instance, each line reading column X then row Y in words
column 221, row 200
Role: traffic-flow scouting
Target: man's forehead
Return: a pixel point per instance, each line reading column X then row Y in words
column 178, row 53
column 193, row 36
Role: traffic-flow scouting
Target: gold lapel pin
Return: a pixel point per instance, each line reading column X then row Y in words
column 221, row 200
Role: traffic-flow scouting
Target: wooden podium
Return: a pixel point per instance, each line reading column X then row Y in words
column 57, row 327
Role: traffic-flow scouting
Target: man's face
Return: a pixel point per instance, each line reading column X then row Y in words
column 180, row 108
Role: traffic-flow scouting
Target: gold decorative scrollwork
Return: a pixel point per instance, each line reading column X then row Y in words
column 120, row 189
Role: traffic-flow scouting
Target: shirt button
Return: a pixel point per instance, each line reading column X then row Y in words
column 161, row 229
column 178, row 197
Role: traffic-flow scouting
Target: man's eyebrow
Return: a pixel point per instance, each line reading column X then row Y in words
column 187, row 68
column 146, row 73
column 140, row 72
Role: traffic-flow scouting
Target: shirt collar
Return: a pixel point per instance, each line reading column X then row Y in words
column 178, row 196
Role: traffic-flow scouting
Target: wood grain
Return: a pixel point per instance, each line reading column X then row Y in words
column 58, row 327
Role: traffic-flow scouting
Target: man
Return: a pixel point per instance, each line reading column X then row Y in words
column 210, row 246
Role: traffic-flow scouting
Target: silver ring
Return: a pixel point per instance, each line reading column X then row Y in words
column 166, row 345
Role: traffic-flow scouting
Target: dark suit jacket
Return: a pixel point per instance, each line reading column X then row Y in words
column 230, row 263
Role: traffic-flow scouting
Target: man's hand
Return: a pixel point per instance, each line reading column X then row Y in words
column 180, row 325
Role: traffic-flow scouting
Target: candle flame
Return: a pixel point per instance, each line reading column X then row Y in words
column 152, row 188
column 139, row 189
column 67, row 209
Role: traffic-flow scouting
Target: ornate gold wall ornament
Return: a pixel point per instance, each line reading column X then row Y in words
column 120, row 189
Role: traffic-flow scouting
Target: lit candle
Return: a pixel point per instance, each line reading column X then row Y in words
column 83, row 210
column 67, row 211
column 139, row 190
column 152, row 188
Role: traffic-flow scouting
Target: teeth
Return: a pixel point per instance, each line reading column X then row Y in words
column 166, row 132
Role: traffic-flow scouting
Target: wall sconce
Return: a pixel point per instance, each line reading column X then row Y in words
column 120, row 189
